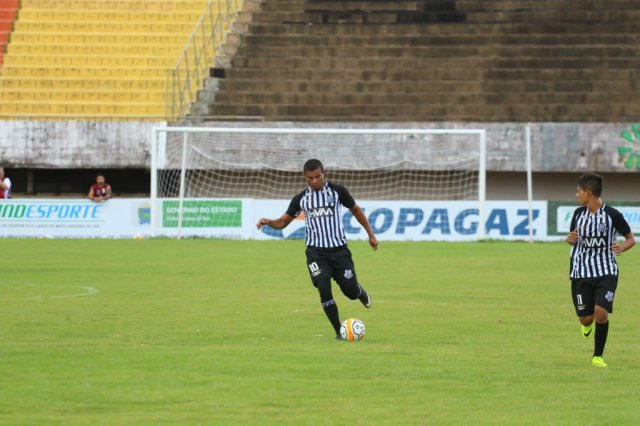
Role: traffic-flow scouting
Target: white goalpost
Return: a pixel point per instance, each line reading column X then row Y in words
column 189, row 164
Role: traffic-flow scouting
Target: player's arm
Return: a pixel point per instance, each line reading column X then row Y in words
column 362, row 220
column 347, row 200
column 92, row 197
column 622, row 226
column 280, row 223
column 573, row 236
column 629, row 241
column 108, row 193
column 4, row 186
column 284, row 220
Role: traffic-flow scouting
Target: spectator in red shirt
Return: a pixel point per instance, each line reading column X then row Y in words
column 5, row 185
column 100, row 191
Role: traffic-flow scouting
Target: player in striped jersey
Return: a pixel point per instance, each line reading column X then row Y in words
column 327, row 253
column 593, row 267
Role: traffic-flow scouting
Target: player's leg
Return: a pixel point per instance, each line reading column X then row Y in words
column 320, row 272
column 344, row 273
column 605, row 289
column 328, row 303
column 583, row 297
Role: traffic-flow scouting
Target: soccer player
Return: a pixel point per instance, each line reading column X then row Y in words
column 100, row 191
column 593, row 267
column 5, row 185
column 327, row 253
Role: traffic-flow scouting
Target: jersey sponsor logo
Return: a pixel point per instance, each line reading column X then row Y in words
column 594, row 242
column 321, row 212
column 609, row 296
column 348, row 274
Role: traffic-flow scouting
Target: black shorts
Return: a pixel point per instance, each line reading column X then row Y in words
column 586, row 293
column 335, row 263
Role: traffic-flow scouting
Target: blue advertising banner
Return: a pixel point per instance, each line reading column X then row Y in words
column 424, row 220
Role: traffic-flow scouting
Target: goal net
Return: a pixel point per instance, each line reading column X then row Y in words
column 266, row 163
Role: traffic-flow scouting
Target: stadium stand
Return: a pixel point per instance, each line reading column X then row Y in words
column 466, row 60
column 8, row 12
column 93, row 58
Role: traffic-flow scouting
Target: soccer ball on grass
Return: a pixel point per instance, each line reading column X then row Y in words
column 352, row 329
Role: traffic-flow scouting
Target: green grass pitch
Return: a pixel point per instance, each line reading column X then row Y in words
column 232, row 332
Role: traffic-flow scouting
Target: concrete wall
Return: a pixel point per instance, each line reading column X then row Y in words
column 75, row 144
column 559, row 186
column 557, row 147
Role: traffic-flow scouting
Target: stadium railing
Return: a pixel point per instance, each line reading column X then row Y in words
column 191, row 69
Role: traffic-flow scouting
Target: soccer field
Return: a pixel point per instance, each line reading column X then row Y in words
column 230, row 332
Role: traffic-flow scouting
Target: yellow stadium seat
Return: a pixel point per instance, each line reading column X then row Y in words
column 23, row 108
column 94, row 58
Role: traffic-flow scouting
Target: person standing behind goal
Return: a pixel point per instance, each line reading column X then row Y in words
column 101, row 190
column 593, row 266
column 327, row 253
column 5, row 185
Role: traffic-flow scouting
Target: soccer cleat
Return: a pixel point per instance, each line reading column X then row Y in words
column 338, row 337
column 365, row 298
column 587, row 330
column 598, row 361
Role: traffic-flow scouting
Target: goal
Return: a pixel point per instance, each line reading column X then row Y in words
column 192, row 164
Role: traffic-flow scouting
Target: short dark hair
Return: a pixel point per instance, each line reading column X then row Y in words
column 591, row 182
column 311, row 165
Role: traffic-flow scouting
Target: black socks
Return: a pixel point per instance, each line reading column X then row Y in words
column 331, row 310
column 600, row 338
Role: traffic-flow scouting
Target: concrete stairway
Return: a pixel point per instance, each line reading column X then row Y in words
column 467, row 60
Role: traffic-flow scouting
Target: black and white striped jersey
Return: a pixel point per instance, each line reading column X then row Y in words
column 591, row 255
column 322, row 214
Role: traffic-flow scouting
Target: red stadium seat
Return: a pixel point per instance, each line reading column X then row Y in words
column 8, row 12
